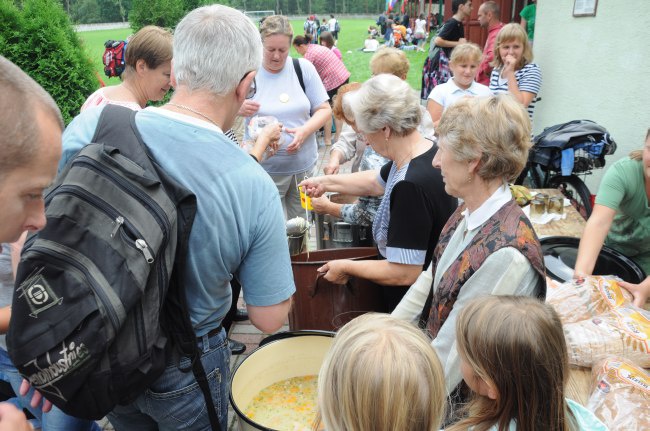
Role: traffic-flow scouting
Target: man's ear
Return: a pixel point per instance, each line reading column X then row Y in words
column 242, row 88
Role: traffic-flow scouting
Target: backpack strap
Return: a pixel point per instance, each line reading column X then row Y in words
column 298, row 69
column 175, row 316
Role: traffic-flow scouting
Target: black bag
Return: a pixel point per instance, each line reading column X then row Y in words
column 548, row 145
column 98, row 289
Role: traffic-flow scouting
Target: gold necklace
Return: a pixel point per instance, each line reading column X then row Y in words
column 194, row 111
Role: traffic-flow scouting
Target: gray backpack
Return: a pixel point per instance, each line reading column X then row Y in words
column 98, row 289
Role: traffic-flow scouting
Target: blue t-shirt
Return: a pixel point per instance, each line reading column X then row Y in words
column 239, row 226
column 280, row 95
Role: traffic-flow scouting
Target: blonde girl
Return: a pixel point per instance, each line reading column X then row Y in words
column 464, row 62
column 381, row 374
column 514, row 71
column 514, row 359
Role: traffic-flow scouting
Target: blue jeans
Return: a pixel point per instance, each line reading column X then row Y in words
column 54, row 420
column 175, row 401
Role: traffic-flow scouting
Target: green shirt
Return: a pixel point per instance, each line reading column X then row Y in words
column 528, row 13
column 623, row 190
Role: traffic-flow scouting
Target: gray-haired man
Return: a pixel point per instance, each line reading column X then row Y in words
column 239, row 226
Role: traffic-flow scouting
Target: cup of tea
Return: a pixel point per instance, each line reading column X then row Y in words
column 555, row 205
column 537, row 208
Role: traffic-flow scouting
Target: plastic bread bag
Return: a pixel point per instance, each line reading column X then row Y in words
column 584, row 298
column 623, row 331
column 621, row 395
column 253, row 130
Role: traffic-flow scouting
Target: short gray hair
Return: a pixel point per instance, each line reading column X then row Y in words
column 385, row 101
column 493, row 129
column 214, row 47
column 22, row 98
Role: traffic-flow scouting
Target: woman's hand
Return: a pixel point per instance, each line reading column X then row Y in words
column 334, row 271
column 321, row 205
column 249, row 108
column 36, row 397
column 640, row 291
column 299, row 136
column 313, row 187
column 332, row 167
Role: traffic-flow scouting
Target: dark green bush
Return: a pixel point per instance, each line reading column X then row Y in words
column 41, row 41
column 163, row 13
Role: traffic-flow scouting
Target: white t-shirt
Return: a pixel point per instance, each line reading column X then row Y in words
column 420, row 26
column 279, row 95
column 332, row 24
column 449, row 93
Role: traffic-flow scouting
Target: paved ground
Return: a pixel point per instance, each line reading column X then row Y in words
column 245, row 332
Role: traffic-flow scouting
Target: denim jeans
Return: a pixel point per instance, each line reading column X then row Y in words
column 54, row 420
column 175, row 401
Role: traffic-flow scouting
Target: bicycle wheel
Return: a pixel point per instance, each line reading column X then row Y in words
column 574, row 189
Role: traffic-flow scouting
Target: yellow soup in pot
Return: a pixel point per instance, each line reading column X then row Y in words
column 287, row 405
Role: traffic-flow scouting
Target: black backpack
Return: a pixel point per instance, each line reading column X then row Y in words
column 98, row 292
column 114, row 57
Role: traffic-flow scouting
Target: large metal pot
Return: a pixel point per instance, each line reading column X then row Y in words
column 279, row 357
column 332, row 232
column 560, row 253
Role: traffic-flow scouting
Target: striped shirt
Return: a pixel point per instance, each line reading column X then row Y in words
column 529, row 78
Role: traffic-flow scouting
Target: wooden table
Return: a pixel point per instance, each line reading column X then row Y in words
column 572, row 225
column 578, row 386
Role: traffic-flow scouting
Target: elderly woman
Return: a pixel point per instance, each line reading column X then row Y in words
column 331, row 70
column 353, row 145
column 621, row 218
column 302, row 112
column 378, row 365
column 414, row 206
column 147, row 75
column 514, row 71
column 348, row 147
column 488, row 246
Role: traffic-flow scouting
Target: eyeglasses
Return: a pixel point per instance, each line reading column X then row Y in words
column 252, row 90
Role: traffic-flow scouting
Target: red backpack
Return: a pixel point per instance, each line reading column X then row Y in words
column 114, row 57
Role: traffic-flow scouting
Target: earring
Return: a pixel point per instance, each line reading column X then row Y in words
column 469, row 178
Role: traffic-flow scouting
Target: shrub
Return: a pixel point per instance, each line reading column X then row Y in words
column 41, row 41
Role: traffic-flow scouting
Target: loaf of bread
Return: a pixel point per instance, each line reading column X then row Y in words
column 621, row 395
column 623, row 331
column 584, row 298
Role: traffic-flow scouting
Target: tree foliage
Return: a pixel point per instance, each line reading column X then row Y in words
column 40, row 40
column 163, row 13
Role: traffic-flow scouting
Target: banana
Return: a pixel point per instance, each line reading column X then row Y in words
column 520, row 194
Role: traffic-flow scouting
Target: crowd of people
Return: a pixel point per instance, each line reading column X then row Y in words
column 459, row 262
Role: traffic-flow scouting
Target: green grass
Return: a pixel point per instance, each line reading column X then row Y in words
column 353, row 33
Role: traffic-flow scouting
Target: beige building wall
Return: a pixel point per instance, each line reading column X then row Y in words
column 595, row 68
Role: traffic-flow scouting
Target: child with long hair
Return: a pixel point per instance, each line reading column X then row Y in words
column 514, row 359
column 381, row 374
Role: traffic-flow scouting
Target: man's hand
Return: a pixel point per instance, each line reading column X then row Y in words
column 313, row 187
column 36, row 397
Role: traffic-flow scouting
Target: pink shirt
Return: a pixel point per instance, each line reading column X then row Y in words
column 484, row 69
column 336, row 51
column 98, row 98
column 330, row 68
